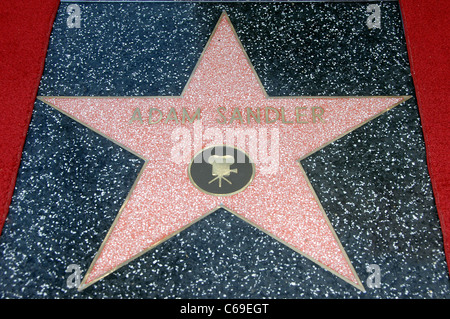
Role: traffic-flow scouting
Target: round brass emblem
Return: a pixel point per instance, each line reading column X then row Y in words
column 221, row 170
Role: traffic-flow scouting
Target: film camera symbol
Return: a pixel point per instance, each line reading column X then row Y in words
column 221, row 168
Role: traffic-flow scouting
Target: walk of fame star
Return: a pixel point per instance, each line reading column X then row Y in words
column 223, row 94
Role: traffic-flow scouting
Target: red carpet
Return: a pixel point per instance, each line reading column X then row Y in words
column 25, row 28
column 426, row 24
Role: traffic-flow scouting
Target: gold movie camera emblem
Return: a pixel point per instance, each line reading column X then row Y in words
column 221, row 170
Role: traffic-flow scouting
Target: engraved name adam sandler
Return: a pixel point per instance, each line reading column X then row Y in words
column 268, row 115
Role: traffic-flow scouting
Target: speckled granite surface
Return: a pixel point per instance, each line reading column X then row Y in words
column 372, row 183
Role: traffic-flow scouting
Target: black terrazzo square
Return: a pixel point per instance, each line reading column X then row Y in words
column 373, row 183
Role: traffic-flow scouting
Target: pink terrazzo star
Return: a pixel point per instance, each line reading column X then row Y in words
column 280, row 200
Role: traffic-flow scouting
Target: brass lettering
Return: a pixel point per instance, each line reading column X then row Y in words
column 150, row 116
column 268, row 120
column 298, row 115
column 190, row 119
column 236, row 116
column 283, row 117
column 224, row 121
column 172, row 116
column 301, row 115
column 316, row 115
column 255, row 116
column 136, row 116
